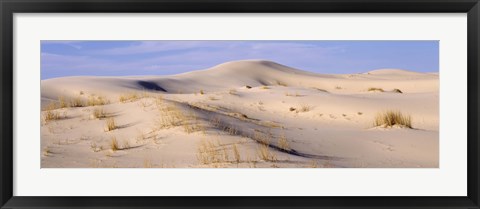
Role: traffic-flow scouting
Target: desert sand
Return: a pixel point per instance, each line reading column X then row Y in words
column 240, row 114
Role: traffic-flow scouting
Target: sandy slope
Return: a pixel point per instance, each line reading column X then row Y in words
column 306, row 119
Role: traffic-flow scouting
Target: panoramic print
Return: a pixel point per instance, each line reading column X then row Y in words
column 239, row 104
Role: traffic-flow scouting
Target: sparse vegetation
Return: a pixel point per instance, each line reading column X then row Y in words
column 338, row 87
column 359, row 113
column 375, row 89
column 201, row 92
column 62, row 102
column 129, row 97
column 51, row 115
column 236, row 153
column 248, row 87
column 99, row 113
column 209, row 152
column 391, row 118
column 264, row 87
column 265, row 154
column 77, row 102
column 397, row 91
column 97, row 100
column 283, row 142
column 110, row 124
column 114, row 143
column 305, row 108
column 95, row 147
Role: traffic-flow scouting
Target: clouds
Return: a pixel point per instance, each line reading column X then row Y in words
column 67, row 58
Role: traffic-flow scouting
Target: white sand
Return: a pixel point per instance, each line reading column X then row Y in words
column 334, row 130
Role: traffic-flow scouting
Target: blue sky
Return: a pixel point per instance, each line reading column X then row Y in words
column 120, row 58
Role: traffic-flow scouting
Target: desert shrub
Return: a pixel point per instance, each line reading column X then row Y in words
column 397, row 91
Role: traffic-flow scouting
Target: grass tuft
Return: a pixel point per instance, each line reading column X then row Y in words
column 110, row 124
column 114, row 144
column 391, row 118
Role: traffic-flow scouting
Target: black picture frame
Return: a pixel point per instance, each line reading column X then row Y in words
column 10, row 7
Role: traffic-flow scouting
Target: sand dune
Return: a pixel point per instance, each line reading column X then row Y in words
column 251, row 113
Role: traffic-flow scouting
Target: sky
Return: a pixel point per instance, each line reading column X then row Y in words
column 122, row 58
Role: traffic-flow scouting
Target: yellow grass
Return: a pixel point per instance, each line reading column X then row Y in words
column 97, row 100
column 114, row 143
column 129, row 97
column 99, row 113
column 62, row 102
column 50, row 115
column 110, row 124
column 390, row 118
column 77, row 102
column 236, row 153
column 265, row 154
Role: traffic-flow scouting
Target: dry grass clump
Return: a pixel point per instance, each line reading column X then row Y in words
column 171, row 116
column 375, row 89
column 99, row 113
column 114, row 144
column 338, row 87
column 50, row 106
column 208, row 152
column 397, row 91
column 236, row 153
column 97, row 100
column 50, row 115
column 95, row 147
column 391, row 118
column 283, row 142
column 262, row 138
column 62, row 103
column 264, row 87
column 265, row 154
column 201, row 92
column 304, row 108
column 129, row 97
column 77, row 102
column 110, row 124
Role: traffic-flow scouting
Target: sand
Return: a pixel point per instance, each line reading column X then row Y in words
column 241, row 114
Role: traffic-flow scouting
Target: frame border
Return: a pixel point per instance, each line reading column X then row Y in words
column 9, row 7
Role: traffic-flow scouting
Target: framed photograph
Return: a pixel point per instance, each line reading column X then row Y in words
column 239, row 104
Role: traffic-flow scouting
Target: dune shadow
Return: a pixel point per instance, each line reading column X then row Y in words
column 150, row 86
column 126, row 125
